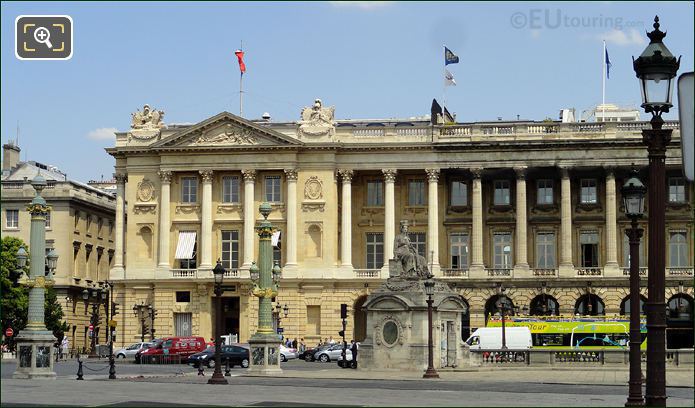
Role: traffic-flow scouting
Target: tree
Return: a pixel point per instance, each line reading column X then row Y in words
column 14, row 300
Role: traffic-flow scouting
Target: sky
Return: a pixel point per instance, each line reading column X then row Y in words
column 368, row 59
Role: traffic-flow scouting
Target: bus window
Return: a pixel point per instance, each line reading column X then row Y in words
column 543, row 339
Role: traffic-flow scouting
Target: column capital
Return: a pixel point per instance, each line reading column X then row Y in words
column 206, row 175
column 520, row 172
column 165, row 176
column 610, row 171
column 249, row 175
column 389, row 175
column 121, row 178
column 565, row 171
column 432, row 174
column 291, row 174
column 346, row 175
column 477, row 172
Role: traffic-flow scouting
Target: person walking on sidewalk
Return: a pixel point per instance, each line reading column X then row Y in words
column 353, row 349
column 64, row 348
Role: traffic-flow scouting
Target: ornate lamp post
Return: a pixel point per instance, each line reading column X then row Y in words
column 429, row 291
column 99, row 296
column 265, row 343
column 218, row 273
column 35, row 342
column 633, row 198
column 656, row 68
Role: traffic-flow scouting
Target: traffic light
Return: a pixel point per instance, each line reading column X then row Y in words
column 114, row 309
column 341, row 333
column 343, row 310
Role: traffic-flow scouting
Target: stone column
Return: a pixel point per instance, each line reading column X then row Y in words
column 611, row 267
column 566, row 265
column 433, row 220
column 205, row 243
column 389, row 215
column 164, row 220
column 118, row 266
column 521, row 266
column 249, row 216
column 477, row 268
column 290, row 238
column 346, row 219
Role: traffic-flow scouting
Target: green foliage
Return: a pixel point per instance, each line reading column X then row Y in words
column 54, row 314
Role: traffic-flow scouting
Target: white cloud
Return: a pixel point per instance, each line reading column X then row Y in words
column 102, row 134
column 364, row 5
column 623, row 38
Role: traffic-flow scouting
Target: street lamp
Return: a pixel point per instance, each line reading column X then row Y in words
column 429, row 291
column 218, row 273
column 656, row 68
column 52, row 262
column 35, row 342
column 633, row 192
column 139, row 311
column 94, row 319
column 503, row 308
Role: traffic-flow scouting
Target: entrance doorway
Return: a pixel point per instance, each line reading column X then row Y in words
column 230, row 315
column 359, row 319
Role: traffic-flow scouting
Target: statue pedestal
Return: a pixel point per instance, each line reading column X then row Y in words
column 397, row 327
column 35, row 355
column 265, row 354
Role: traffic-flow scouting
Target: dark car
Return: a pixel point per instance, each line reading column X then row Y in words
column 237, row 356
column 308, row 354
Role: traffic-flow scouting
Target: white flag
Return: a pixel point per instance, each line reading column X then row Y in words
column 448, row 78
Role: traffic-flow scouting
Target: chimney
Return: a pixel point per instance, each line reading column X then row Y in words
column 10, row 156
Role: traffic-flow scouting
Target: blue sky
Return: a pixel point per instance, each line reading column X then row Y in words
column 368, row 60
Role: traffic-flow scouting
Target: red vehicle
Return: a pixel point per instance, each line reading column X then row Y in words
column 172, row 349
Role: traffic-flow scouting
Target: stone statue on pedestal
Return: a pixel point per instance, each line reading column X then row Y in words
column 412, row 265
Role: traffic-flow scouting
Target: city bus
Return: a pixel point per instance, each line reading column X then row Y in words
column 575, row 332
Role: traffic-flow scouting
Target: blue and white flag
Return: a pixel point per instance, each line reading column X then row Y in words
column 450, row 57
column 448, row 78
column 608, row 65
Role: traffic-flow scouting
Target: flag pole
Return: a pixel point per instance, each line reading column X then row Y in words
column 603, row 80
column 444, row 81
column 241, row 84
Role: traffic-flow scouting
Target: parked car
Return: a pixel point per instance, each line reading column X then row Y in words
column 237, row 356
column 332, row 353
column 154, row 342
column 181, row 347
column 287, row 353
column 308, row 354
column 131, row 350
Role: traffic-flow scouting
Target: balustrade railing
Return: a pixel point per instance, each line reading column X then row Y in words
column 642, row 271
column 686, row 271
column 231, row 273
column 367, row 273
column 505, row 357
column 499, row 271
column 544, row 272
column 454, row 272
column 184, row 273
column 412, row 131
column 545, row 357
column 368, row 132
column 455, row 131
column 579, row 356
column 589, row 271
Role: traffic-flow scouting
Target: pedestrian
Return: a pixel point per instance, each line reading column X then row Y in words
column 353, row 348
column 294, row 343
column 331, row 341
column 64, row 347
column 302, row 346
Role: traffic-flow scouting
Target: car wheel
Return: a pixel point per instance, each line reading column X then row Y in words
column 245, row 363
column 121, row 356
column 211, row 363
column 283, row 358
column 324, row 358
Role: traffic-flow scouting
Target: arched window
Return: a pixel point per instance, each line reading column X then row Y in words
column 589, row 305
column 359, row 319
column 466, row 322
column 679, row 322
column 625, row 305
column 544, row 305
column 145, row 248
column 492, row 306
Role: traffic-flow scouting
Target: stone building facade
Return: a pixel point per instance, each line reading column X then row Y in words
column 80, row 228
column 528, row 210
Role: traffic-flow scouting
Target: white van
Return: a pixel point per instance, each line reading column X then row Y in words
column 490, row 338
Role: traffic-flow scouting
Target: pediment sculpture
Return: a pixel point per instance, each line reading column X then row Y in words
column 317, row 120
column 147, row 123
column 227, row 135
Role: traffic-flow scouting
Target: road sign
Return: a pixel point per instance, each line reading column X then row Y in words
column 91, row 327
column 685, row 116
column 113, row 323
column 280, row 330
column 9, row 332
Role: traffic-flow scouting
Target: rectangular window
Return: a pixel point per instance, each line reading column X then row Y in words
column 183, row 296
column 183, row 323
column 375, row 250
column 678, row 250
column 502, row 250
column 272, row 189
column 626, row 252
column 459, row 250
column 545, row 191
column 587, row 194
column 416, row 192
column 100, row 225
column 48, row 220
column 419, row 241
column 375, row 193
column 230, row 189
column 277, row 255
column 588, row 241
column 502, row 192
column 11, row 218
column 313, row 320
column 230, row 249
column 545, row 250
column 459, row 194
column 189, row 190
column 676, row 190
column 89, row 224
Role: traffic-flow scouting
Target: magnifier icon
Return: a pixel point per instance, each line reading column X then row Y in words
column 43, row 36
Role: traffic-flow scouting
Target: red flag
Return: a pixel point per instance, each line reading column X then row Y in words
column 240, row 56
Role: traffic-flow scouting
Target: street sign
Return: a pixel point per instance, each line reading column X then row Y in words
column 9, row 332
column 112, row 323
column 686, row 115
column 91, row 327
column 280, row 330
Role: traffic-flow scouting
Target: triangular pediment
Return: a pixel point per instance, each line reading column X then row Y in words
column 226, row 130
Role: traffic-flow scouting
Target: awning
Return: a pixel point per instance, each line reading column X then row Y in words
column 184, row 248
column 275, row 239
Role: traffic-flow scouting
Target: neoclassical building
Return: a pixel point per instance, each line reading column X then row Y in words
column 526, row 210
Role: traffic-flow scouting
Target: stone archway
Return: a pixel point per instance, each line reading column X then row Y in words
column 359, row 319
column 679, row 322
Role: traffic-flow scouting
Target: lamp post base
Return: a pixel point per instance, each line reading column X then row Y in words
column 430, row 373
column 35, row 355
column 265, row 354
column 217, row 378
